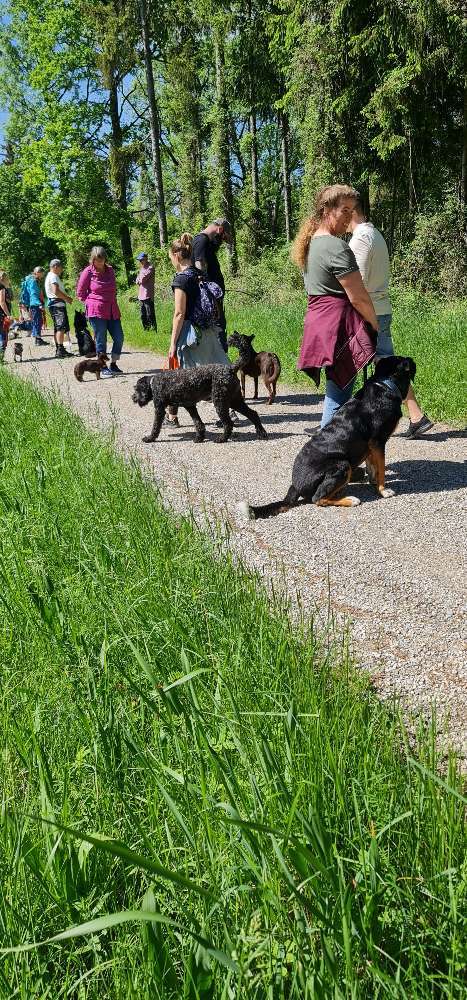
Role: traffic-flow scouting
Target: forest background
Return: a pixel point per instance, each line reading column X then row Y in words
column 132, row 120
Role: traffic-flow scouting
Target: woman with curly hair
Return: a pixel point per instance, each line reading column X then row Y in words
column 340, row 326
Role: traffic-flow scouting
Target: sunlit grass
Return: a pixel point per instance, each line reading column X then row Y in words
column 172, row 745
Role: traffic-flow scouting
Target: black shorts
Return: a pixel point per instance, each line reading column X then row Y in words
column 60, row 317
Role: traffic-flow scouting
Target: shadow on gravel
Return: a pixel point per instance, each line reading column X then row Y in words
column 298, row 399
column 235, row 439
column 427, row 476
column 291, row 418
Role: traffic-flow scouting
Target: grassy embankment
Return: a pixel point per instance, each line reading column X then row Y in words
column 172, row 746
column 433, row 332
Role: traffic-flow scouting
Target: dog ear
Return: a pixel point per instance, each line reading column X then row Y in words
column 411, row 368
column 251, row 337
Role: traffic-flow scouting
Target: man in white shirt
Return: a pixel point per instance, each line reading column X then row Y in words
column 56, row 303
column 372, row 256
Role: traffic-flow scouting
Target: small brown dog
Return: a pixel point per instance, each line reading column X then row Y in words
column 94, row 365
column 18, row 352
column 255, row 363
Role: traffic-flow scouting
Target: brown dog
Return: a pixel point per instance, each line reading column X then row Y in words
column 94, row 365
column 255, row 363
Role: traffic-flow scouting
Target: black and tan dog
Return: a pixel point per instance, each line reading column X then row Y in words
column 18, row 352
column 92, row 365
column 255, row 363
column 186, row 387
column 358, row 432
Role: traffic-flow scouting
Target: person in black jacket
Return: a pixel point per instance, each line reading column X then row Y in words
column 204, row 257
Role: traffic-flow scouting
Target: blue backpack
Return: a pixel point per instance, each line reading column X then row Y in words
column 24, row 296
column 207, row 309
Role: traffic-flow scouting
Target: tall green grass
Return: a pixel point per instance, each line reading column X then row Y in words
column 199, row 798
column 433, row 332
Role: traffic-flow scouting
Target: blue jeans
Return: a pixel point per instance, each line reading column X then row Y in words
column 100, row 328
column 334, row 399
column 36, row 317
column 384, row 346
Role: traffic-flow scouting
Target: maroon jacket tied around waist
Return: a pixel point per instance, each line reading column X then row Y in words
column 335, row 337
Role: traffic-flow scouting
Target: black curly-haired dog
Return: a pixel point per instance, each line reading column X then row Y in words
column 188, row 386
column 357, row 432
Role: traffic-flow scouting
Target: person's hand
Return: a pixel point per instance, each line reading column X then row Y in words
column 172, row 350
column 69, row 299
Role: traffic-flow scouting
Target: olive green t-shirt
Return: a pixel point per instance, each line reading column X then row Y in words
column 329, row 258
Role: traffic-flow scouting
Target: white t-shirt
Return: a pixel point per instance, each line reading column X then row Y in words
column 51, row 280
column 371, row 252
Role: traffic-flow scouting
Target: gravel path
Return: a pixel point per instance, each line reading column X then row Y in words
column 393, row 570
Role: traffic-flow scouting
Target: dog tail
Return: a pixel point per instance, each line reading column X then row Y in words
column 270, row 509
column 273, row 369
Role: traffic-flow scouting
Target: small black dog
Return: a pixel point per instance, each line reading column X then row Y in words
column 86, row 343
column 357, row 432
column 188, row 386
column 18, row 352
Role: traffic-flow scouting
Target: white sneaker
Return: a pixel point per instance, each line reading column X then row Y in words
column 106, row 373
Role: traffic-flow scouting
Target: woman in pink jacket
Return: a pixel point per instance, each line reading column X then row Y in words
column 97, row 288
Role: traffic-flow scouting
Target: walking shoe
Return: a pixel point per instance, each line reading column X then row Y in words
column 62, row 353
column 171, row 422
column 107, row 373
column 115, row 369
column 39, row 342
column 420, row 427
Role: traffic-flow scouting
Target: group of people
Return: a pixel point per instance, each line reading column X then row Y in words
column 347, row 321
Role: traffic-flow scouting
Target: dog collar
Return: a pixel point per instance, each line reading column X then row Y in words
column 390, row 384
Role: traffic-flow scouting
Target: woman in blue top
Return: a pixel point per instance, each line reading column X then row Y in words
column 35, row 304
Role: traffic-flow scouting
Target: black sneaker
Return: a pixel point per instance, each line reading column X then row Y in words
column 39, row 342
column 420, row 427
column 62, row 353
column 115, row 369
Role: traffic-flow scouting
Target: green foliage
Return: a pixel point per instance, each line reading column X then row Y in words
column 199, row 799
column 435, row 260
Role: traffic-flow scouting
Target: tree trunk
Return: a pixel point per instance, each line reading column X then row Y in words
column 254, row 164
column 464, row 155
column 286, row 190
column 393, row 211
column 222, row 145
column 118, row 175
column 154, row 125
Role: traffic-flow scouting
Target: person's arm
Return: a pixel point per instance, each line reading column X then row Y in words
column 84, row 281
column 357, row 294
column 361, row 246
column 199, row 251
column 3, row 304
column 178, row 320
column 58, row 294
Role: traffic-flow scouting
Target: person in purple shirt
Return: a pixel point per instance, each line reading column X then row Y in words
column 97, row 288
column 145, row 282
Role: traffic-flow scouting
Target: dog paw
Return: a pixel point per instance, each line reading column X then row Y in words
column 387, row 493
column 262, row 435
column 353, row 501
column 148, row 439
column 244, row 511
